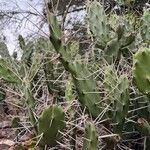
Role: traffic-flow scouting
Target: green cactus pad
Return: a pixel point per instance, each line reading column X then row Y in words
column 90, row 137
column 97, row 23
column 86, row 88
column 112, row 49
column 145, row 30
column 7, row 73
column 121, row 106
column 50, row 123
column 141, row 70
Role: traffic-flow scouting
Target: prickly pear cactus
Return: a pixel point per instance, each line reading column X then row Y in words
column 141, row 70
column 117, row 95
column 85, row 84
column 28, row 50
column 97, row 23
column 112, row 40
column 110, row 82
column 86, row 88
column 121, row 105
column 145, row 30
column 90, row 137
column 51, row 121
column 7, row 72
column 111, row 50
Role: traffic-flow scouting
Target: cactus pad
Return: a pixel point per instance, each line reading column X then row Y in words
column 90, row 137
column 50, row 123
column 141, row 70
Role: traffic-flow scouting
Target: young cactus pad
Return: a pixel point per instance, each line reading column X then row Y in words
column 141, row 70
column 50, row 123
column 90, row 137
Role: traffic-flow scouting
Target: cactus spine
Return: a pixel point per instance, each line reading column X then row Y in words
column 90, row 137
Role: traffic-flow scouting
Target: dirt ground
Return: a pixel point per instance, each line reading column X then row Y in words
column 8, row 110
column 7, row 134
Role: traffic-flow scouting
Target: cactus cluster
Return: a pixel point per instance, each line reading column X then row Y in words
column 113, row 91
column 52, row 119
column 112, row 41
column 82, row 78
